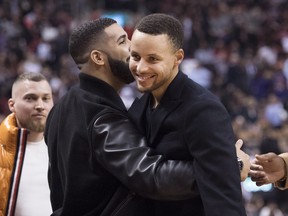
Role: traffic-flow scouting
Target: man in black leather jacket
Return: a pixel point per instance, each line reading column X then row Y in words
column 95, row 152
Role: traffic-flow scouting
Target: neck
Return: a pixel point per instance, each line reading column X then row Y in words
column 114, row 82
column 118, row 86
column 35, row 136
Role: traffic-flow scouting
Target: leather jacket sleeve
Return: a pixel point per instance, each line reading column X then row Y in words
column 118, row 146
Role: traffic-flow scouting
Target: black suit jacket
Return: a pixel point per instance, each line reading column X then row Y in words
column 191, row 124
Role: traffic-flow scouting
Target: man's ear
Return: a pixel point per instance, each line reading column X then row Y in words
column 179, row 55
column 97, row 57
column 11, row 105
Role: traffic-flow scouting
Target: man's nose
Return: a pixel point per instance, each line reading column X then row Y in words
column 142, row 66
column 39, row 104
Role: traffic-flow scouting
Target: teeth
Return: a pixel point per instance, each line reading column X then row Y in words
column 143, row 78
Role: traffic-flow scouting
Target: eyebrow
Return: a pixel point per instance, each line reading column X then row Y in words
column 37, row 95
column 122, row 36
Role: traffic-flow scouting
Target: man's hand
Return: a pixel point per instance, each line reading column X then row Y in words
column 245, row 159
column 267, row 168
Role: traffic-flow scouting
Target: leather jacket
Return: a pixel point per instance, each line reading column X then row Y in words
column 99, row 161
column 143, row 171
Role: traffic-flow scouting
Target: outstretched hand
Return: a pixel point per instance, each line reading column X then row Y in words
column 244, row 157
column 267, row 168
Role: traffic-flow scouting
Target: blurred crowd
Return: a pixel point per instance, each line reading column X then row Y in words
column 236, row 48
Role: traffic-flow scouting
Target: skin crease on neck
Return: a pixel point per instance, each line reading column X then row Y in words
column 154, row 63
column 31, row 102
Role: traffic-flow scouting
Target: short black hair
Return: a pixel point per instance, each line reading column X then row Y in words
column 158, row 23
column 84, row 38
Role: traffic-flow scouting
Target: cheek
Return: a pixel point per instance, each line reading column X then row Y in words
column 49, row 106
column 22, row 113
column 160, row 68
column 168, row 66
column 132, row 65
column 23, row 109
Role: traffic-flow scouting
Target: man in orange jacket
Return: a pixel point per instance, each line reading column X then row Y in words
column 23, row 153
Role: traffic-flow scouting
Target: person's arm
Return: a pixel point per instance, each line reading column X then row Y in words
column 270, row 168
column 118, row 146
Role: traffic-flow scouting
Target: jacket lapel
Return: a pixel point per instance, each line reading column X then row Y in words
column 159, row 115
column 169, row 102
column 137, row 112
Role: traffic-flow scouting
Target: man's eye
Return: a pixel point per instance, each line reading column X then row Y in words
column 135, row 57
column 123, row 42
column 152, row 59
column 47, row 98
column 28, row 98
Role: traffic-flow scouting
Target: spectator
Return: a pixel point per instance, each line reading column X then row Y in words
column 30, row 104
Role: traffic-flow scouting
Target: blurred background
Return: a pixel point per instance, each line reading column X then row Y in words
column 238, row 49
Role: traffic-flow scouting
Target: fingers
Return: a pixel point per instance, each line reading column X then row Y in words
column 256, row 167
column 260, row 183
column 239, row 143
column 258, row 177
column 258, row 164
column 265, row 157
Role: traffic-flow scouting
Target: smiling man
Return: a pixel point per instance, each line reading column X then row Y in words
column 100, row 163
column 183, row 121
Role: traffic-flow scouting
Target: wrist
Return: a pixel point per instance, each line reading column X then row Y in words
column 284, row 171
column 240, row 163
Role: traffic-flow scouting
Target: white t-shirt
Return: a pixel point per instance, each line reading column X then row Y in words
column 34, row 194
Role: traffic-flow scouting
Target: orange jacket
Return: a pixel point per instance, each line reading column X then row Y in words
column 12, row 150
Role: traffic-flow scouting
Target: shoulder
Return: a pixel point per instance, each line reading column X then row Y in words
column 196, row 94
column 11, row 135
column 9, row 129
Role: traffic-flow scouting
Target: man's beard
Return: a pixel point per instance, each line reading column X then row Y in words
column 35, row 126
column 121, row 70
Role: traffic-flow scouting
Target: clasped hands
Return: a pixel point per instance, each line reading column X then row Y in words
column 264, row 169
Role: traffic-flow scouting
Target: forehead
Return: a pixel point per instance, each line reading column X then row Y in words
column 25, row 87
column 150, row 43
column 114, row 32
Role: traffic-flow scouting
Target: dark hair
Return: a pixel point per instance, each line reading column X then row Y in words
column 84, row 38
column 156, row 24
column 36, row 77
